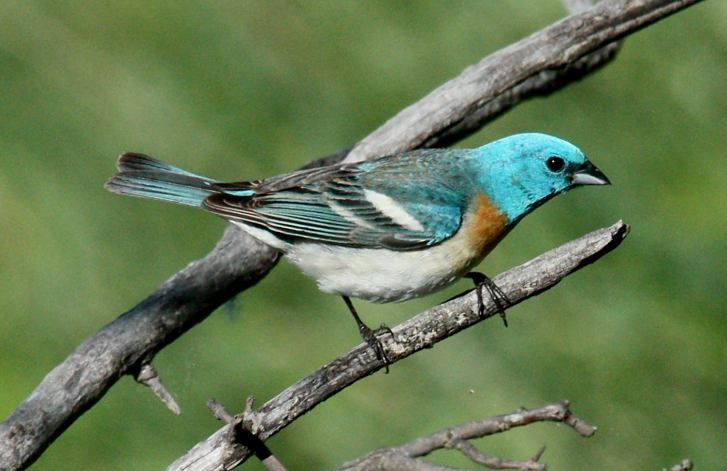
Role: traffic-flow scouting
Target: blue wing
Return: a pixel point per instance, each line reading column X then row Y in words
column 401, row 203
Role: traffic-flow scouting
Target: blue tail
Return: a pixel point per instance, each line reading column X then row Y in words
column 141, row 175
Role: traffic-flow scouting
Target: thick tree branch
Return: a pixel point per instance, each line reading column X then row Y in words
column 544, row 58
column 458, row 437
column 417, row 333
column 238, row 261
column 129, row 341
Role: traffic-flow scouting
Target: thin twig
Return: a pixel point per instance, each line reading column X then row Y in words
column 420, row 332
column 458, row 437
column 581, row 427
column 239, row 435
column 494, row 462
column 149, row 377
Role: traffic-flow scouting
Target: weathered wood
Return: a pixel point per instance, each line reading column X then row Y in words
column 532, row 66
column 421, row 331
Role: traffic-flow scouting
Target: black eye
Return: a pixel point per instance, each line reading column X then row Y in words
column 555, row 164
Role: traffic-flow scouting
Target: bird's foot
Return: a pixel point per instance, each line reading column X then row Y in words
column 483, row 282
column 370, row 336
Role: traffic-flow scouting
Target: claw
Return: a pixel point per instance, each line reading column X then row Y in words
column 371, row 337
column 498, row 297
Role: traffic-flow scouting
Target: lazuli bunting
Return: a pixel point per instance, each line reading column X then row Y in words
column 383, row 230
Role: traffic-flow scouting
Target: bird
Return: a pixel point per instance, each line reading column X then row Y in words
column 389, row 229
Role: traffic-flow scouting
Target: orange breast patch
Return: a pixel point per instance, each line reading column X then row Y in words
column 487, row 226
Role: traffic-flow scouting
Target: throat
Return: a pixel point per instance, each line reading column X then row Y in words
column 486, row 225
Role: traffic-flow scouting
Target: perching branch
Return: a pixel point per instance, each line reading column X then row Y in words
column 532, row 66
column 421, row 331
column 408, row 456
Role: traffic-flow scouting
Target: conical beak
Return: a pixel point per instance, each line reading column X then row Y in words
column 589, row 174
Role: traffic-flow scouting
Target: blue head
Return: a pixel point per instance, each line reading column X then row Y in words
column 523, row 171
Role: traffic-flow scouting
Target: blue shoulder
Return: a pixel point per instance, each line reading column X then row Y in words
column 433, row 185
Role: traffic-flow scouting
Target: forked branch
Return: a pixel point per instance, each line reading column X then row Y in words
column 408, row 456
column 421, row 331
column 543, row 62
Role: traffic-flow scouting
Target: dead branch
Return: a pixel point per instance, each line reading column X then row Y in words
column 421, row 331
column 239, row 433
column 535, row 65
column 459, row 436
column 148, row 376
column 554, row 51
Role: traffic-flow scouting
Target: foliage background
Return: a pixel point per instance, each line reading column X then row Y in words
column 249, row 89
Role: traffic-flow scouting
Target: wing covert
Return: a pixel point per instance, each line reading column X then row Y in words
column 347, row 205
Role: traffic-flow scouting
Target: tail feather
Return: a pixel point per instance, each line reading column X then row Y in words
column 141, row 175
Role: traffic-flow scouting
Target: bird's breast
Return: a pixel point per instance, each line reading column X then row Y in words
column 484, row 224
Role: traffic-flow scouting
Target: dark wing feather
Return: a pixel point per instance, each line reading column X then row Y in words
column 329, row 205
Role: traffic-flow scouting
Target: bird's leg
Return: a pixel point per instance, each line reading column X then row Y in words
column 369, row 336
column 498, row 297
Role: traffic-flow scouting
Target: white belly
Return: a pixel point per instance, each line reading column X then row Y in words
column 381, row 275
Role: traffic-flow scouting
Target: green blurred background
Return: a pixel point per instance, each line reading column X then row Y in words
column 250, row 89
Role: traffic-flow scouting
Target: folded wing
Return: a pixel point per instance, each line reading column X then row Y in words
column 360, row 205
